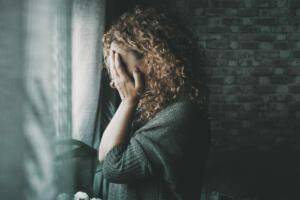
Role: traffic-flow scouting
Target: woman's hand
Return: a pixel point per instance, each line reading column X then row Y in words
column 117, row 129
column 129, row 91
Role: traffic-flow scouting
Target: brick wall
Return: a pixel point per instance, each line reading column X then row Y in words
column 253, row 53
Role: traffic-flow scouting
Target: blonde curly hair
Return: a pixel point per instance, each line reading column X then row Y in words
column 168, row 50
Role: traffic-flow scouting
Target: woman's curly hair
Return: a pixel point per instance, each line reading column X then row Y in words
column 169, row 52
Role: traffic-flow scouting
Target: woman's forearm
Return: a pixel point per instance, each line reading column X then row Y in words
column 117, row 129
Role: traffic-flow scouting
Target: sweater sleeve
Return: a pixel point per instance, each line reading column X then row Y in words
column 157, row 148
column 126, row 162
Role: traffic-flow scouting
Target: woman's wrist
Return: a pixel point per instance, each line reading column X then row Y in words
column 117, row 129
column 130, row 102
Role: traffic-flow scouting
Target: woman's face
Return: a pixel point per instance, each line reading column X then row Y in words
column 129, row 59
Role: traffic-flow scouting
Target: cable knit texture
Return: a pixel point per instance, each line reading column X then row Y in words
column 164, row 159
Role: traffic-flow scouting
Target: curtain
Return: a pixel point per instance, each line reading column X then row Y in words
column 67, row 95
column 53, row 87
column 47, row 82
column 11, row 100
column 88, row 26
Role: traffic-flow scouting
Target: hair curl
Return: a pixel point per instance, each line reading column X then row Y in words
column 169, row 52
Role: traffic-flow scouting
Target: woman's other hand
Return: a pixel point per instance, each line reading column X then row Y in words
column 129, row 90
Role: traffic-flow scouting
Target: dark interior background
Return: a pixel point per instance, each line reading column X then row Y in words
column 252, row 50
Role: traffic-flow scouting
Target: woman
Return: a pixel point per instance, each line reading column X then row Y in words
column 156, row 144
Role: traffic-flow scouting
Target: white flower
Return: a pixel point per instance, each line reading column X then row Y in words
column 81, row 196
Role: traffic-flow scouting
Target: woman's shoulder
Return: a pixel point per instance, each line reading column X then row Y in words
column 176, row 113
column 183, row 106
column 181, row 109
column 179, row 120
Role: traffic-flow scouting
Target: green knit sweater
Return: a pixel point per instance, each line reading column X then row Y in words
column 165, row 159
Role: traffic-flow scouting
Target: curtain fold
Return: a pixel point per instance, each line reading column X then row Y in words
column 12, row 97
column 47, row 80
column 94, row 102
column 89, row 84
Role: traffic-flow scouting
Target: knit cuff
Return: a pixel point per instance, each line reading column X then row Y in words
column 115, row 152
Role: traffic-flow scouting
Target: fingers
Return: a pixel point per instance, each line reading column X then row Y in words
column 114, row 73
column 137, row 79
column 119, row 68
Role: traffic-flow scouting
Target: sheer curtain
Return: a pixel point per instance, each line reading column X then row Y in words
column 47, row 80
column 93, row 102
column 53, row 87
column 88, row 26
column 11, row 100
column 67, row 91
